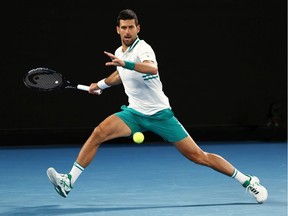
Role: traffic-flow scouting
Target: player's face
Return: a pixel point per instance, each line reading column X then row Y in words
column 128, row 31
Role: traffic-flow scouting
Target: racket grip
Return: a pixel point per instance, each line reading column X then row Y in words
column 86, row 88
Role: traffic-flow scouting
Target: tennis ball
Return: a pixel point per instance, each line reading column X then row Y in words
column 138, row 137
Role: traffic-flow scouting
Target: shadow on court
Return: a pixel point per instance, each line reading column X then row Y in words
column 57, row 209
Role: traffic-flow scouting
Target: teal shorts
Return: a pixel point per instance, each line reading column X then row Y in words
column 162, row 123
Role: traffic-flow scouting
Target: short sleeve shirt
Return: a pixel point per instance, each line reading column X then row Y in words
column 144, row 91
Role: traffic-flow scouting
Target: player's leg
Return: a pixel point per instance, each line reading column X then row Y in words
column 112, row 127
column 193, row 152
column 171, row 130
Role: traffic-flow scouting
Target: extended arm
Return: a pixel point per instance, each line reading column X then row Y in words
column 146, row 67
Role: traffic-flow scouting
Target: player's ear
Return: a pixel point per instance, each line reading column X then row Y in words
column 138, row 28
column 117, row 29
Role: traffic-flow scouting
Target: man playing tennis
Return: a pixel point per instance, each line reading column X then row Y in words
column 148, row 109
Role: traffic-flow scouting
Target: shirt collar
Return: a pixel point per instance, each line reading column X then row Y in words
column 133, row 45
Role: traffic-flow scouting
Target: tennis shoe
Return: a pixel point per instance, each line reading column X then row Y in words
column 256, row 189
column 61, row 182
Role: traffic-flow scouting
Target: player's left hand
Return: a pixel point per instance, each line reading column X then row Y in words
column 114, row 60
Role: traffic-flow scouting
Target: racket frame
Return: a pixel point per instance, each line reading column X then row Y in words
column 65, row 83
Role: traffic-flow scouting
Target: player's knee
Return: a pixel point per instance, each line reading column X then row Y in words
column 99, row 134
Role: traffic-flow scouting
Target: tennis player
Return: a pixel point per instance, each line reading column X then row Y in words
column 148, row 110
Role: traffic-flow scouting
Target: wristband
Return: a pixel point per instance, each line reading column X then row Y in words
column 129, row 65
column 102, row 85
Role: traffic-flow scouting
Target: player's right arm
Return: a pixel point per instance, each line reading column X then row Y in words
column 111, row 80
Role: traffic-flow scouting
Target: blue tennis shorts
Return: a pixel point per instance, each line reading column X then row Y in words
column 162, row 123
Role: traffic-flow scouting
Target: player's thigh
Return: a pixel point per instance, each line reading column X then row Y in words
column 114, row 127
column 190, row 149
column 169, row 129
column 187, row 146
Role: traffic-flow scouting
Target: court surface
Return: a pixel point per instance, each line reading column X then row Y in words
column 150, row 179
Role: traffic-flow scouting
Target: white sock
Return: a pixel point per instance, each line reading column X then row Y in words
column 75, row 172
column 240, row 176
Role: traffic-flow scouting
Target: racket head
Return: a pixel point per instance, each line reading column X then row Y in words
column 44, row 79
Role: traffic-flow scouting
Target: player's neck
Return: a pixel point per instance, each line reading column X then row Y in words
column 124, row 48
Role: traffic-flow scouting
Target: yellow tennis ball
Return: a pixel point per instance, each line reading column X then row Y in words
column 138, row 137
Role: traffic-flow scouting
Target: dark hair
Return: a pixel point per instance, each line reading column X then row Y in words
column 127, row 14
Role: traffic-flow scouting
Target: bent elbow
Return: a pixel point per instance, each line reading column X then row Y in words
column 154, row 71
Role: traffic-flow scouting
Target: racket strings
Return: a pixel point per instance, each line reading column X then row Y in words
column 44, row 81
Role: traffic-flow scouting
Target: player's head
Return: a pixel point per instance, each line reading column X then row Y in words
column 127, row 27
column 127, row 14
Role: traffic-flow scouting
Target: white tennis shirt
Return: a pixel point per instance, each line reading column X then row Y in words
column 144, row 91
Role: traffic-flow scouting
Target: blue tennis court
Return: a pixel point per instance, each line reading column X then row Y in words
column 141, row 180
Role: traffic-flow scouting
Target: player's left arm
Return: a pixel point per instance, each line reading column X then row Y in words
column 146, row 67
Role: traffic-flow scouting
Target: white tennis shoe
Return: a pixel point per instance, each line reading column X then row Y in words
column 61, row 182
column 256, row 189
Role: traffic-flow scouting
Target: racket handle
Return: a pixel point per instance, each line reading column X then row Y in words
column 86, row 88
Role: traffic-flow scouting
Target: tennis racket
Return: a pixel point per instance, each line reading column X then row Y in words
column 45, row 79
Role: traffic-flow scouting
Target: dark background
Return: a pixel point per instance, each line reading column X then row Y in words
column 223, row 65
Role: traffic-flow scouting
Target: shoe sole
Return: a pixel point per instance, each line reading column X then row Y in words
column 51, row 175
